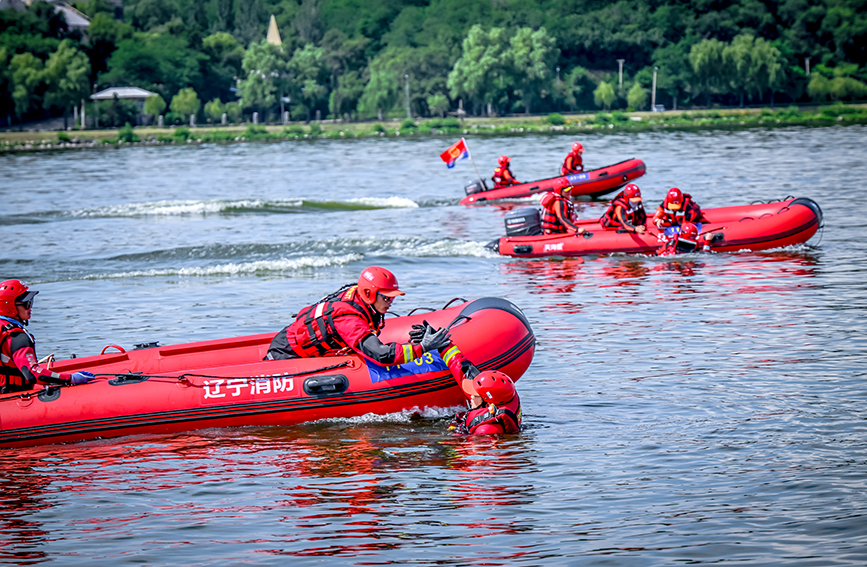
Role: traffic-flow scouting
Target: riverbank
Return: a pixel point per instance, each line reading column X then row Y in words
column 553, row 123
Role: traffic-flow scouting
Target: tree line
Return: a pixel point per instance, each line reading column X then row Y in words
column 356, row 60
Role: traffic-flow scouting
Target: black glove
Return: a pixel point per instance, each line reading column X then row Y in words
column 435, row 340
column 417, row 333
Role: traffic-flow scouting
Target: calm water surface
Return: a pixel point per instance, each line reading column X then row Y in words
column 702, row 409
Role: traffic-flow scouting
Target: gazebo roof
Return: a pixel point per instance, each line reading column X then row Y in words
column 122, row 92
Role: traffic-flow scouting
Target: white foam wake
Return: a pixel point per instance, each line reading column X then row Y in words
column 263, row 266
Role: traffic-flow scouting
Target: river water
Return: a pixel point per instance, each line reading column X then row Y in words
column 701, row 409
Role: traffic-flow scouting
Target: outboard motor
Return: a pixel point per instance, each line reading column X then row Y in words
column 523, row 222
column 475, row 186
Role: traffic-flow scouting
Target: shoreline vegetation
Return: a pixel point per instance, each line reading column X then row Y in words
column 602, row 122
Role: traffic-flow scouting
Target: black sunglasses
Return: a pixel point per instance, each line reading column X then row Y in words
column 386, row 297
column 27, row 304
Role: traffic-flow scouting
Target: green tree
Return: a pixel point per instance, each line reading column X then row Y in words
column 154, row 106
column 214, row 111
column 478, row 74
column 104, row 33
column 531, row 57
column 67, row 76
column 573, row 86
column 309, row 69
column 438, row 104
column 712, row 74
column 753, row 64
column 26, row 72
column 604, row 95
column 265, row 66
column 637, row 97
column 224, row 62
column 250, row 22
column 186, row 102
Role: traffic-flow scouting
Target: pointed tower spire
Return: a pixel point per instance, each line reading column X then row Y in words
column 273, row 32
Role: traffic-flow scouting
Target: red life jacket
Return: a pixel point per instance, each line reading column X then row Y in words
column 315, row 330
column 11, row 378
column 550, row 222
column 689, row 212
column 572, row 164
column 636, row 217
column 502, row 177
column 506, row 417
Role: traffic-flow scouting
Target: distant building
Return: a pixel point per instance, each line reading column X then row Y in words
column 133, row 93
column 75, row 20
column 273, row 33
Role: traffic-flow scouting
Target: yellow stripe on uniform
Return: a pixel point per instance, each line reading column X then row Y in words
column 449, row 354
column 408, row 354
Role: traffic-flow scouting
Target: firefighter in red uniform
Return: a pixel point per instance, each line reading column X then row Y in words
column 503, row 175
column 558, row 211
column 626, row 211
column 573, row 162
column 19, row 368
column 686, row 241
column 350, row 320
column 677, row 208
column 494, row 406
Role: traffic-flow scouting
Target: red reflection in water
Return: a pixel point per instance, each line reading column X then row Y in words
column 20, row 498
column 551, row 277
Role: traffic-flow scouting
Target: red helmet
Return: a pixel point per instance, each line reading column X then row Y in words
column 494, row 387
column 12, row 292
column 689, row 230
column 503, row 160
column 562, row 186
column 632, row 191
column 375, row 280
column 577, row 147
column 674, row 199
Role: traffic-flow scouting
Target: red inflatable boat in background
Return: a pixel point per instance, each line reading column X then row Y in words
column 593, row 184
column 225, row 382
column 749, row 227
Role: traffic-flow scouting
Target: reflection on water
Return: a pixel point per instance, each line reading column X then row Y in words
column 691, row 409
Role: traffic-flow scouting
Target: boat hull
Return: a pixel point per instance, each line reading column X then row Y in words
column 749, row 227
column 594, row 183
column 226, row 382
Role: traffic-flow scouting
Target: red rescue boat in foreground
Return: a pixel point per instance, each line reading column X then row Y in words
column 749, row 227
column 225, row 382
column 594, row 183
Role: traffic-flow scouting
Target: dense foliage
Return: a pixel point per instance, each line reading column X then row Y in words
column 353, row 59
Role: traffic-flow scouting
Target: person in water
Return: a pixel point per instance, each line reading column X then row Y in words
column 573, row 162
column 558, row 212
column 626, row 211
column 20, row 370
column 687, row 240
column 677, row 208
column 502, row 174
column 494, row 405
column 350, row 320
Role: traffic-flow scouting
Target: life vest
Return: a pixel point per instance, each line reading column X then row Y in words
column 11, row 378
column 572, row 164
column 636, row 216
column 315, row 330
column 502, row 177
column 689, row 212
column 550, row 223
column 490, row 418
column 507, row 417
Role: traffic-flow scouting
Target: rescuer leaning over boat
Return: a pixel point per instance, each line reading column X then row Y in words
column 350, row 319
column 19, row 368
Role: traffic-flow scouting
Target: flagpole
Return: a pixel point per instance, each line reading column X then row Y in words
column 469, row 153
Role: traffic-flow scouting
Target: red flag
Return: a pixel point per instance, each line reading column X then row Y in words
column 457, row 152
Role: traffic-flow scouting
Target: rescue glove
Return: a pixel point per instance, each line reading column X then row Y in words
column 82, row 377
column 417, row 332
column 435, row 339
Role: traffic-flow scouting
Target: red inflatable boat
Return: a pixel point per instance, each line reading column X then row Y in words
column 225, row 382
column 593, row 183
column 749, row 227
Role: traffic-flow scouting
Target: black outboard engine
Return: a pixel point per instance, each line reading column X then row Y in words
column 523, row 222
column 475, row 186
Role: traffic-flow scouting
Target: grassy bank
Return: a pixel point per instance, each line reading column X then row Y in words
column 448, row 127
